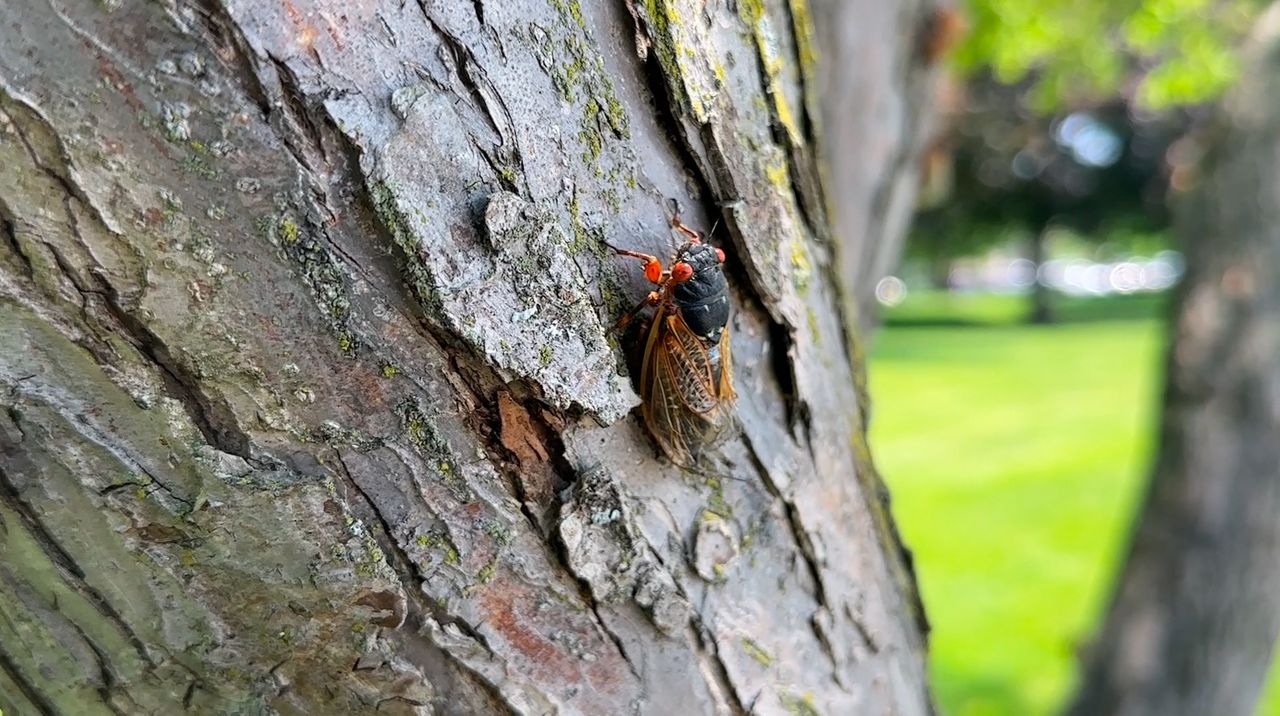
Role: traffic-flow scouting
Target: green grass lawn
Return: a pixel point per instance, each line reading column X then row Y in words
column 1015, row 455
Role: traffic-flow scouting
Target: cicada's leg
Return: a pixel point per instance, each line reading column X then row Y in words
column 652, row 299
column 652, row 266
column 679, row 226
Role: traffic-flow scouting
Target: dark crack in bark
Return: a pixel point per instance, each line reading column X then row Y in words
column 28, row 690
column 799, row 536
column 73, row 575
column 212, row 415
column 9, row 235
column 719, row 673
column 411, row 579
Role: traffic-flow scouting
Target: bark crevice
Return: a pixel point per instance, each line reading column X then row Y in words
column 74, row 575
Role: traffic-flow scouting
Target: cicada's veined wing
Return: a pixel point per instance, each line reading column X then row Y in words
column 724, row 423
column 651, row 349
column 689, row 366
column 725, row 366
column 686, row 406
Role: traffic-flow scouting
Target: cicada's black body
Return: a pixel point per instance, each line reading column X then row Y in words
column 703, row 300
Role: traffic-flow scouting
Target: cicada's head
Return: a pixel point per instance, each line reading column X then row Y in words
column 697, row 261
column 700, row 291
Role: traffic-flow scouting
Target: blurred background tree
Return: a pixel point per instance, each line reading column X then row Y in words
column 1093, row 130
column 1064, row 119
column 1196, row 612
column 1097, row 171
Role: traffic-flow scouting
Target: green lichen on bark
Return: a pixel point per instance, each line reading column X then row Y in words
column 576, row 67
column 440, row 542
column 421, row 432
column 320, row 271
column 756, row 17
column 578, row 73
column 387, row 206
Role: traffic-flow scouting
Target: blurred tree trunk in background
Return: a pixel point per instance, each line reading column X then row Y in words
column 1041, row 296
column 876, row 131
column 1197, row 609
column 307, row 399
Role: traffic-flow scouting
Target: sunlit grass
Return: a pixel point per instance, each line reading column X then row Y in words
column 1271, row 695
column 1015, row 455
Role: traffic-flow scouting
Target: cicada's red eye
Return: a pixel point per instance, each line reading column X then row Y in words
column 720, row 254
column 653, row 271
column 681, row 272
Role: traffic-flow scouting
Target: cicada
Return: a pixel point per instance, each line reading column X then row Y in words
column 686, row 375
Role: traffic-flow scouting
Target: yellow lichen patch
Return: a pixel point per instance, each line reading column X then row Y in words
column 684, row 52
column 439, row 541
column 807, row 49
column 786, row 117
column 288, row 231
column 753, row 13
column 799, row 705
column 757, row 652
column 806, row 42
column 801, row 267
column 776, row 171
column 815, row 331
column 485, row 575
column 751, row 10
column 571, row 8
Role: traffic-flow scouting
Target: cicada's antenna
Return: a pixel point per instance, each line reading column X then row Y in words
column 674, row 205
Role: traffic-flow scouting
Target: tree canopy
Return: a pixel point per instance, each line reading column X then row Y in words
column 1164, row 53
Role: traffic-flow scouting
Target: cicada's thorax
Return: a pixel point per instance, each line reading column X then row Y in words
column 703, row 300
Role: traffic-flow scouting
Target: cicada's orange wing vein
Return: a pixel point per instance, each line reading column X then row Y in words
column 727, row 393
column 670, row 419
column 650, row 347
column 691, row 368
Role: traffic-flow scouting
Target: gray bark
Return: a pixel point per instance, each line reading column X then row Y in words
column 1197, row 609
column 875, row 131
column 308, row 401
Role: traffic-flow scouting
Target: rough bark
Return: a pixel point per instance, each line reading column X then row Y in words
column 1197, row 609
column 308, row 401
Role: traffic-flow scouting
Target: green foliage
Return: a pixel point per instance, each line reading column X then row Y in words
column 1270, row 703
column 1184, row 51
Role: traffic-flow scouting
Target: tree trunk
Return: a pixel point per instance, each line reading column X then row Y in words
column 1041, row 297
column 1197, row 609
column 878, row 114
column 308, row 400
